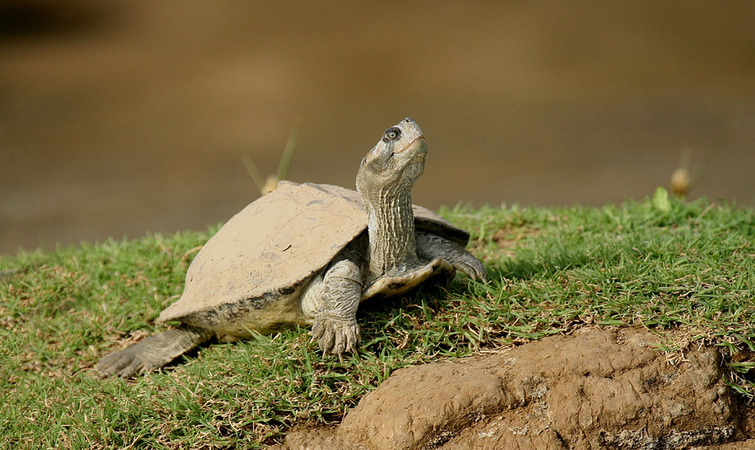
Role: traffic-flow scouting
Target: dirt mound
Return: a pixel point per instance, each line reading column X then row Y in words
column 594, row 389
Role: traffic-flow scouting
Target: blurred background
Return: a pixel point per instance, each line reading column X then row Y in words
column 125, row 117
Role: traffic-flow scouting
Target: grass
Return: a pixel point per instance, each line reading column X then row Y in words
column 687, row 268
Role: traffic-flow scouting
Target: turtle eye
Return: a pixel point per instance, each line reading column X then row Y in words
column 391, row 134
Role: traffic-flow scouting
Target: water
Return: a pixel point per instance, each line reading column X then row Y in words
column 122, row 118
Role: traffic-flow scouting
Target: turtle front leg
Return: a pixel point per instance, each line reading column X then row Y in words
column 335, row 327
column 430, row 246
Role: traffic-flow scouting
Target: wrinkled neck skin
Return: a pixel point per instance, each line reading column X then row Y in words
column 390, row 224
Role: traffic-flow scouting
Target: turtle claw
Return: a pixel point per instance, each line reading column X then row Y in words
column 335, row 336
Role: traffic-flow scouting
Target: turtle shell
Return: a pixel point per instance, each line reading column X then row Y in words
column 273, row 247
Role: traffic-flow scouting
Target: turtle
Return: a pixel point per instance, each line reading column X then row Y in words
column 309, row 254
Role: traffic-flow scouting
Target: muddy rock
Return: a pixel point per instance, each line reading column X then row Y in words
column 594, row 389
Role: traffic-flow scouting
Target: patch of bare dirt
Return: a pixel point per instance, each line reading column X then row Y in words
column 595, row 389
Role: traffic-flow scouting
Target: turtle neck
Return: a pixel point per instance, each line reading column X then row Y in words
column 390, row 225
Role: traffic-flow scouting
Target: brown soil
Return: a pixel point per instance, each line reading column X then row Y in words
column 594, row 389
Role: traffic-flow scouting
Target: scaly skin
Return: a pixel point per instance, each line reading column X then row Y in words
column 335, row 327
column 153, row 352
column 385, row 180
column 396, row 259
column 431, row 246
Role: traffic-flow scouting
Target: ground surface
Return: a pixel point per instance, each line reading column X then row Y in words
column 598, row 388
column 539, row 357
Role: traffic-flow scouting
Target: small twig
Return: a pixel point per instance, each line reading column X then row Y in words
column 253, row 172
column 269, row 184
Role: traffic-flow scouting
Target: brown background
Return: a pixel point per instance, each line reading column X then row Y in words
column 124, row 117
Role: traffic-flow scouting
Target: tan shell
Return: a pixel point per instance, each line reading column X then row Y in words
column 277, row 243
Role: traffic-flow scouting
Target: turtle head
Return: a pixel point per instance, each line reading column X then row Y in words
column 396, row 162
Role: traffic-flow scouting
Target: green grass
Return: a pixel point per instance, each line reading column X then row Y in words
column 687, row 268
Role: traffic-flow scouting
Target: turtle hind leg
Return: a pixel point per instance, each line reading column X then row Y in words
column 430, row 246
column 153, row 352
